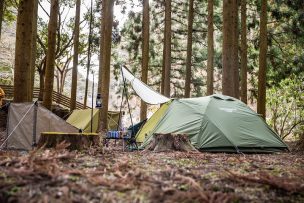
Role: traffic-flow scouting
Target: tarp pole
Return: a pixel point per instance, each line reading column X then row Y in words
column 119, row 117
column 35, row 125
column 125, row 87
column 92, row 104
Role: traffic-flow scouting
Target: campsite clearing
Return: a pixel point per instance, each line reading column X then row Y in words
column 116, row 176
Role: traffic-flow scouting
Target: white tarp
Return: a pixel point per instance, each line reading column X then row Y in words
column 143, row 91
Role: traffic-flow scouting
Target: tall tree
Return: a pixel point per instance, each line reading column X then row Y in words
column 145, row 53
column 34, row 50
column 102, row 25
column 23, row 51
column 229, row 53
column 89, row 58
column 261, row 106
column 106, row 37
column 235, row 48
column 1, row 14
column 189, row 50
column 162, row 85
column 243, row 52
column 51, row 55
column 210, row 49
column 75, row 57
column 167, row 48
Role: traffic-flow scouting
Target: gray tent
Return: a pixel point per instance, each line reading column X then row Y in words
column 26, row 121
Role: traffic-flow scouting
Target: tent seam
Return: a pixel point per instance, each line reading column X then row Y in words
column 237, row 149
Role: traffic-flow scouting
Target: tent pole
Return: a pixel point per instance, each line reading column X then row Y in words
column 92, row 104
column 35, row 125
column 119, row 118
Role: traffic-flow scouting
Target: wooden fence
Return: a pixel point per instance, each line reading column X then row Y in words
column 58, row 98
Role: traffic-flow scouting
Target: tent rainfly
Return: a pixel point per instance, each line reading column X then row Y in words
column 214, row 123
column 25, row 123
column 81, row 119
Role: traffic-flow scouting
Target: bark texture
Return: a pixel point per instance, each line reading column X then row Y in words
column 34, row 50
column 74, row 141
column 189, row 50
column 236, row 72
column 41, row 80
column 170, row 142
column 261, row 106
column 210, row 49
column 167, row 48
column 23, row 51
column 102, row 24
column 230, row 54
column 243, row 52
column 51, row 52
column 75, row 57
column 145, row 54
column 89, row 58
column 106, row 61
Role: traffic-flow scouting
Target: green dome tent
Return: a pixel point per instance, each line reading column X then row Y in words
column 215, row 123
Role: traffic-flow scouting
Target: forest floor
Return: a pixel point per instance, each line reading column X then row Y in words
column 111, row 175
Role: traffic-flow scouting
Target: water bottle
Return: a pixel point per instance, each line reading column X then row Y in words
column 116, row 134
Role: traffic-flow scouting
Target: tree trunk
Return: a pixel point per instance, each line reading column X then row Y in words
column 41, row 83
column 89, row 60
column 167, row 48
column 75, row 57
column 74, row 141
column 34, row 50
column 62, row 80
column 210, row 49
column 23, row 51
column 50, row 59
column 57, row 80
column 170, row 142
column 41, row 87
column 243, row 52
column 229, row 46
column 102, row 25
column 189, row 50
column 145, row 54
column 162, row 88
column 1, row 14
column 261, row 106
column 106, row 61
column 236, row 77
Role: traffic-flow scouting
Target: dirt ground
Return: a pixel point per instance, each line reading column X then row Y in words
column 111, row 175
